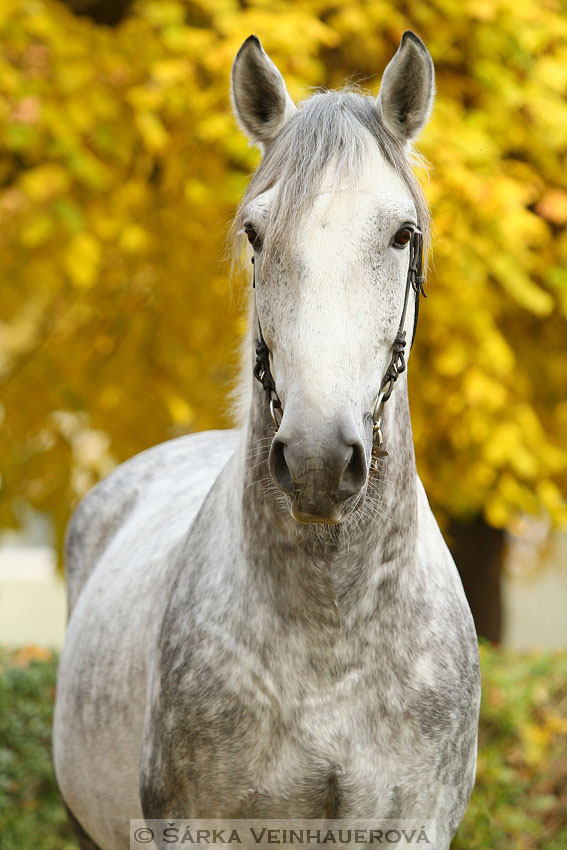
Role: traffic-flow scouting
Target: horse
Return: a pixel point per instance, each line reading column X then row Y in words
column 265, row 622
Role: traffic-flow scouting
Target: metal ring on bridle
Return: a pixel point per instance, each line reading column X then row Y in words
column 378, row 410
column 275, row 404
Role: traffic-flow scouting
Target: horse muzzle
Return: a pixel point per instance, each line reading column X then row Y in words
column 319, row 479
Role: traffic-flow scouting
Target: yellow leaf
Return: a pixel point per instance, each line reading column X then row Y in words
column 134, row 239
column 82, row 260
column 181, row 412
column 536, row 740
column 37, row 231
column 153, row 132
column 45, row 182
column 553, row 206
column 519, row 286
column 31, row 653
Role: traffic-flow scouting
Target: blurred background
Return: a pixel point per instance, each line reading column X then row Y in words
column 120, row 169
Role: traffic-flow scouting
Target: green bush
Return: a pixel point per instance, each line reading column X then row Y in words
column 518, row 802
column 31, row 814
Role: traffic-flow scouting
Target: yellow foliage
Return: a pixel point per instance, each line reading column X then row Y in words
column 120, row 169
column 82, row 260
column 536, row 741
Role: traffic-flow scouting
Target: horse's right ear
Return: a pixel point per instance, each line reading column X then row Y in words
column 259, row 96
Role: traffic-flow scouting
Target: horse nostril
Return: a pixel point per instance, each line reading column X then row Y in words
column 333, row 472
column 279, row 468
column 354, row 473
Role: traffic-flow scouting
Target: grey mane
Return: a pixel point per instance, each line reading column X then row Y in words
column 332, row 126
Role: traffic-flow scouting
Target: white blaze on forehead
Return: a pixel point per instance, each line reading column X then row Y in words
column 378, row 186
column 350, row 306
column 374, row 204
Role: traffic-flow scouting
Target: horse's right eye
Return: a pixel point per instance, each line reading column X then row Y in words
column 253, row 238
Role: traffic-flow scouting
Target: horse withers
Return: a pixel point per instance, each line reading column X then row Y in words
column 266, row 622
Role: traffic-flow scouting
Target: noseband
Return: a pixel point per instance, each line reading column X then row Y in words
column 396, row 366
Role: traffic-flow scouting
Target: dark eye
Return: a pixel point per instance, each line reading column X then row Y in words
column 402, row 237
column 253, row 237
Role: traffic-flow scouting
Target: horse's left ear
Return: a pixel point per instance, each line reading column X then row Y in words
column 407, row 89
column 261, row 102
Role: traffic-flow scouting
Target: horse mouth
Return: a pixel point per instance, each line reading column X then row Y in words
column 307, row 518
column 325, row 511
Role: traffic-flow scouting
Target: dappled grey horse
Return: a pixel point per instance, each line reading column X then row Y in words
column 266, row 622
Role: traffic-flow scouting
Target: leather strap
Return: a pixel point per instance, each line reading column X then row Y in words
column 262, row 371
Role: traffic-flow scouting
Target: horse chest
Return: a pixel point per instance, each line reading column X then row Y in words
column 320, row 755
column 319, row 736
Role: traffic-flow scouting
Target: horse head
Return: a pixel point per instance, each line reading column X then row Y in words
column 330, row 215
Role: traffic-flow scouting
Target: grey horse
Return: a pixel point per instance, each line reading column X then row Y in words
column 270, row 625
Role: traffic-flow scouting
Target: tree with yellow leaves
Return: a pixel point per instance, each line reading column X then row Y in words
column 120, row 169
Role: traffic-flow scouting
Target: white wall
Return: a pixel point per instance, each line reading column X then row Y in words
column 535, row 594
column 32, row 597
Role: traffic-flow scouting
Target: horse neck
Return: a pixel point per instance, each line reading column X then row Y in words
column 340, row 565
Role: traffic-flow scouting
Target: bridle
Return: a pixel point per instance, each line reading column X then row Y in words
column 396, row 366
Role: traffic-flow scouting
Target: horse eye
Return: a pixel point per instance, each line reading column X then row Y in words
column 402, row 237
column 253, row 237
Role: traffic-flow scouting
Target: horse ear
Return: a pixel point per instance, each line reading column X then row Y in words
column 407, row 89
column 259, row 96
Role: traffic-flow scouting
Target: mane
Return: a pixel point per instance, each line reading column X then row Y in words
column 330, row 127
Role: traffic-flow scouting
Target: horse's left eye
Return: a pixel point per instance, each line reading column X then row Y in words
column 402, row 237
column 253, row 237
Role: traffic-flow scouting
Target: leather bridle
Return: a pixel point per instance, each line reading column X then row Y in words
column 396, row 366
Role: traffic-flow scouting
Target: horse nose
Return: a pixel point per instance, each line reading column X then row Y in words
column 318, row 477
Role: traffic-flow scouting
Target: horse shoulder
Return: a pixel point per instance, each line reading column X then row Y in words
column 447, row 672
column 108, row 506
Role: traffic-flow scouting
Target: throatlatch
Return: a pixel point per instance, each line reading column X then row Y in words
column 396, row 366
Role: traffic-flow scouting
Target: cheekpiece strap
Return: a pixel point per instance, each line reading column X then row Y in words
column 397, row 364
column 263, row 373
